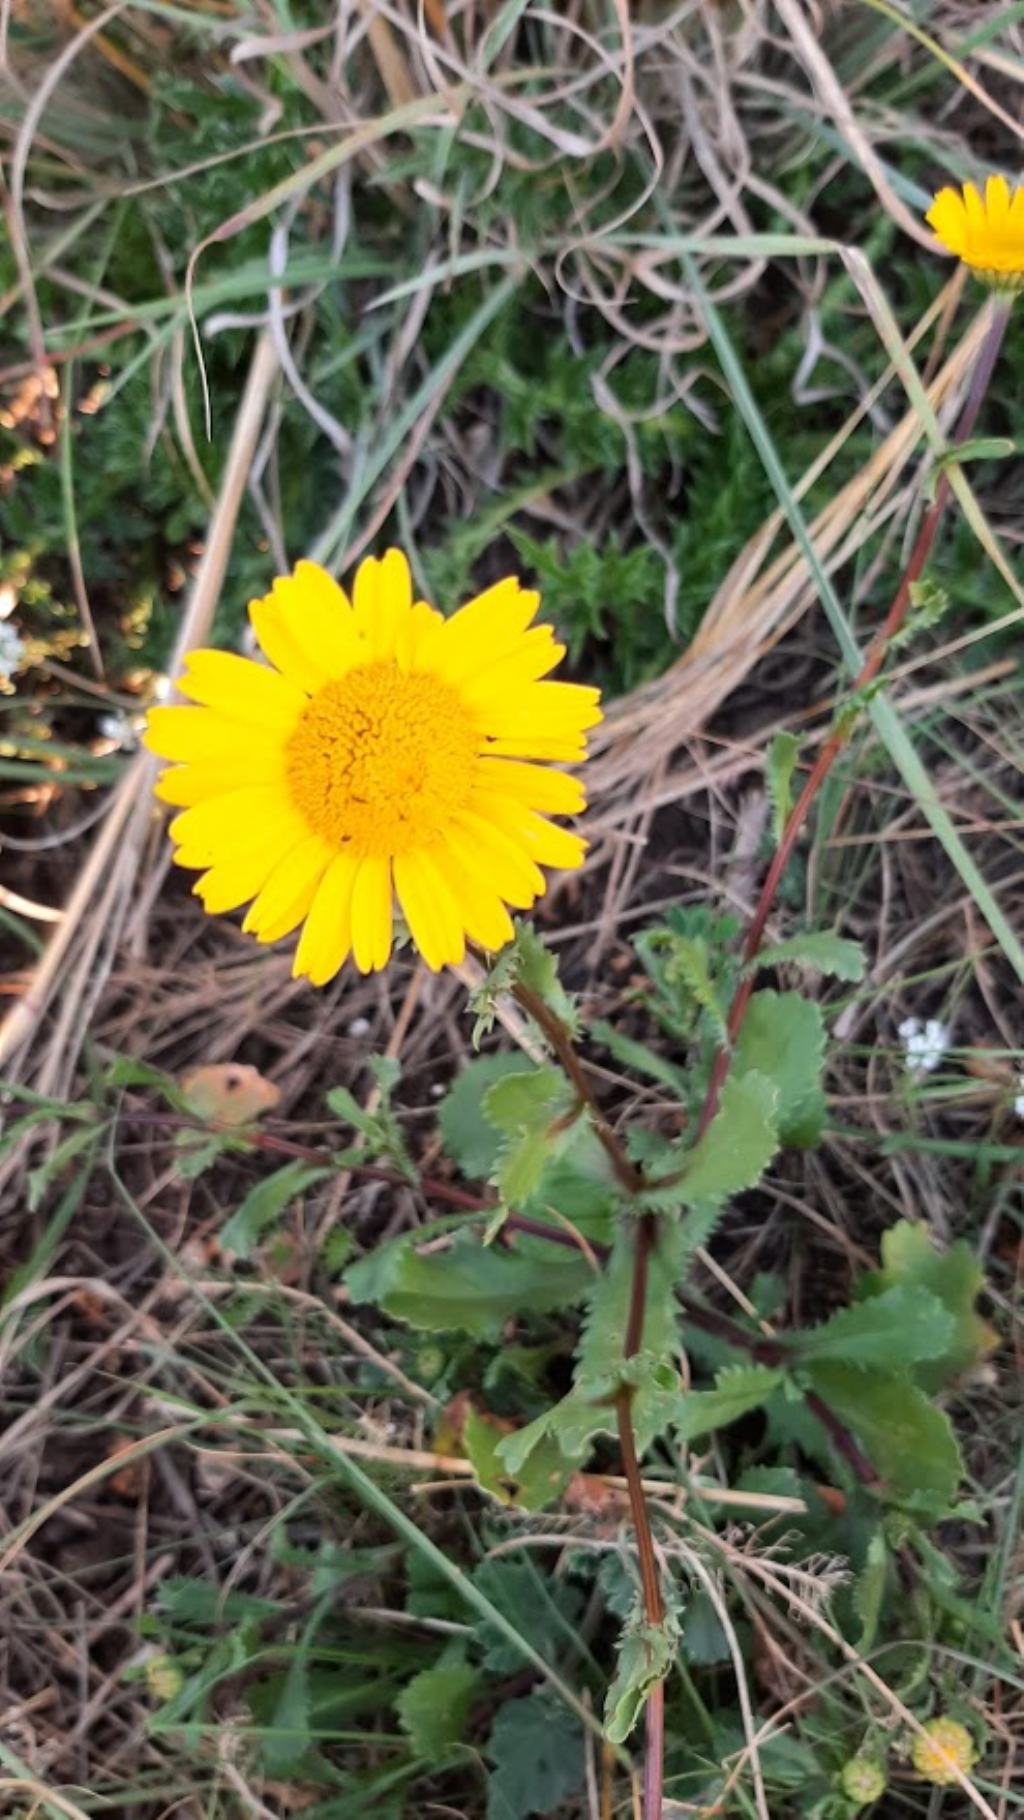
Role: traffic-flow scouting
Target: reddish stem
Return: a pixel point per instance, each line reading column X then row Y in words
column 873, row 661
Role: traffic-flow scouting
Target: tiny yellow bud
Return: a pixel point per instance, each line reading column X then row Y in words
column 946, row 1742
column 164, row 1677
column 862, row 1779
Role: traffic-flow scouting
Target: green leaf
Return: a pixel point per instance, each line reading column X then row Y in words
column 434, row 1707
column 955, row 1276
column 543, row 1609
column 869, row 1591
column 534, row 1109
column 84, row 1137
column 536, row 1747
column 265, row 1204
column 738, row 1390
column 589, row 1410
column 544, row 1474
column 690, row 966
column 908, row 1440
column 820, row 949
column 286, row 1737
column 640, row 1059
column 537, row 968
column 739, row 1143
column 704, row 1642
column 600, row 1351
column 899, row 1327
column 467, row 1288
column 465, row 1132
column 779, row 765
column 523, row 959
column 646, row 1653
column 782, row 1038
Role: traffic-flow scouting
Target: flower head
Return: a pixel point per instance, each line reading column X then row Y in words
column 924, row 1045
column 945, row 1742
column 862, row 1780
column 987, row 233
column 386, row 751
column 12, row 650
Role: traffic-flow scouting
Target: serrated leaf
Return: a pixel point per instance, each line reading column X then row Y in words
column 739, row 1143
column 590, row 1410
column 956, row 1277
column 537, row 968
column 820, row 949
column 434, row 1707
column 899, row 1327
column 533, row 1109
column 466, row 1134
column 782, row 1038
column 689, row 966
column 467, row 1288
column 646, row 1653
column 779, row 765
column 536, row 1747
column 909, row 1442
column 264, row 1204
column 544, row 1475
column 607, row 1310
column 737, row 1391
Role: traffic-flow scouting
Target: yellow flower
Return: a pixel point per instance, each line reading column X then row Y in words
column 987, row 234
column 387, row 750
column 946, row 1742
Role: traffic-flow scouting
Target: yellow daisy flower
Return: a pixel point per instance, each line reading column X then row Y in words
column 387, row 752
column 945, row 1742
column 987, row 234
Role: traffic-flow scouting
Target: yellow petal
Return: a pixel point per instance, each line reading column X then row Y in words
column 948, row 217
column 997, row 201
column 382, row 600
column 554, row 710
column 241, row 689
column 327, row 936
column 415, row 635
column 430, row 909
column 975, row 207
column 548, row 844
column 289, row 890
column 188, row 784
column 306, row 627
column 538, row 786
column 232, row 882
column 485, row 627
column 484, row 916
column 199, row 733
column 241, row 821
column 372, row 916
column 489, row 854
column 501, row 678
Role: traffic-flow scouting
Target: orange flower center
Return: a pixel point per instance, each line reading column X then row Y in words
column 382, row 759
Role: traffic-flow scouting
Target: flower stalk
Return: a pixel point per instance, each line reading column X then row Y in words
column 874, row 659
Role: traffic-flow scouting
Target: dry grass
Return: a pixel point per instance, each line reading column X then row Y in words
column 128, row 1457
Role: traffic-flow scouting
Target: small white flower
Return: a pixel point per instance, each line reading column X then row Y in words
column 12, row 650
column 924, row 1046
column 360, row 1026
column 118, row 728
column 1018, row 1104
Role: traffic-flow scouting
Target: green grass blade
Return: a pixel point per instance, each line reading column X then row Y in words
column 886, row 720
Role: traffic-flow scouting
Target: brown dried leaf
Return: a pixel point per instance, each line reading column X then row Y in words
column 229, row 1094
